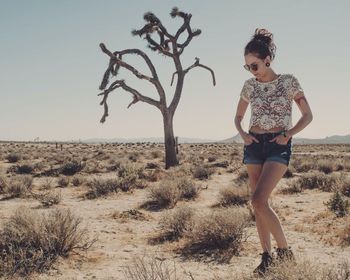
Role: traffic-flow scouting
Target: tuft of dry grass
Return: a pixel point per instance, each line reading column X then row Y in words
column 317, row 179
column 32, row 242
column 218, row 234
column 202, row 172
column 306, row 270
column 174, row 225
column 152, row 268
column 48, row 198
column 18, row 186
column 233, row 196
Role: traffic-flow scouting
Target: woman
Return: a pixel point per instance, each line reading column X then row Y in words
column 267, row 145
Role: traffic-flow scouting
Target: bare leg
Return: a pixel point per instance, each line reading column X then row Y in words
column 271, row 173
column 254, row 171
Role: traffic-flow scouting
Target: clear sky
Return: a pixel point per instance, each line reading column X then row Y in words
column 51, row 65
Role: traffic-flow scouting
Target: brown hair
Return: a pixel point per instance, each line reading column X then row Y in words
column 261, row 44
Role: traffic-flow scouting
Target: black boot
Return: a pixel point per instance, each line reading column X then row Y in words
column 284, row 254
column 266, row 261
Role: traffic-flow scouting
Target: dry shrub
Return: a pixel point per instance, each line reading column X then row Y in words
column 151, row 269
column 220, row 231
column 202, row 172
column 338, row 204
column 325, row 166
column 77, row 180
column 156, row 154
column 304, row 164
column 18, row 186
column 345, row 234
column 306, row 270
column 13, row 157
column 101, row 187
column 24, row 168
column 3, row 184
column 174, row 225
column 31, row 242
column 187, row 187
column 344, row 186
column 242, row 176
column 165, row 195
column 233, row 196
column 48, row 198
column 70, row 168
column 317, row 179
column 63, row 182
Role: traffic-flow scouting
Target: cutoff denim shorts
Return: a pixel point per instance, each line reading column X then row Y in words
column 258, row 153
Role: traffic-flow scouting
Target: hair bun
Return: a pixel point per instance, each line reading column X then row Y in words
column 265, row 36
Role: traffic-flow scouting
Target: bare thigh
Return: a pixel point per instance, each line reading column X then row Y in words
column 254, row 172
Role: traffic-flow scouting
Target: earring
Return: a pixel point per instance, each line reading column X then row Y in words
column 267, row 64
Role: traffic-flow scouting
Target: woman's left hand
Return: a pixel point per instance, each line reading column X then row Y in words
column 280, row 139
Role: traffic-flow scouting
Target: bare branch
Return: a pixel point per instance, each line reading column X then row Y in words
column 137, row 97
column 196, row 64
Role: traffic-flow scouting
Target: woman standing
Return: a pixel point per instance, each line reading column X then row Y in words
column 267, row 144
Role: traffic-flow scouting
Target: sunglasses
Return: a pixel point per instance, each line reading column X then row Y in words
column 252, row 66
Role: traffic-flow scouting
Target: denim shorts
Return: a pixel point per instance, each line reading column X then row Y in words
column 258, row 153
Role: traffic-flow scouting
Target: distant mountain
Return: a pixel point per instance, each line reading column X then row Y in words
column 335, row 139
column 149, row 139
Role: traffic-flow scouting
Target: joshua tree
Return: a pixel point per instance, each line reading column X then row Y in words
column 167, row 45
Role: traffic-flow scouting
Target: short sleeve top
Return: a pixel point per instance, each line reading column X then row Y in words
column 271, row 102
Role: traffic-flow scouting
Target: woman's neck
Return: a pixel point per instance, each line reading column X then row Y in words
column 270, row 76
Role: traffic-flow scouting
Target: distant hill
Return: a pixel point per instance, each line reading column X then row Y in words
column 149, row 139
column 335, row 139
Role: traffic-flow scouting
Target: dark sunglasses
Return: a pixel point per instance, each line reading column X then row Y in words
column 252, row 66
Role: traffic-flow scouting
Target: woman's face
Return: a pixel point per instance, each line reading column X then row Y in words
column 256, row 65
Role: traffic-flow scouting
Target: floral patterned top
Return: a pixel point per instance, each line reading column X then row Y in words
column 271, row 102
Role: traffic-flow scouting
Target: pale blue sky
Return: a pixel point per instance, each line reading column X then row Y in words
column 51, row 65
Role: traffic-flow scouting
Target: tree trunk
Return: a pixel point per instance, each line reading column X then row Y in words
column 169, row 141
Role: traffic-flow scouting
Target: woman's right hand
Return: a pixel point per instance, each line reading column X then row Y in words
column 248, row 138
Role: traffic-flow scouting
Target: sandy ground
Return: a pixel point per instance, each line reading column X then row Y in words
column 120, row 240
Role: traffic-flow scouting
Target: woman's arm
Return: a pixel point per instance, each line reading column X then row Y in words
column 240, row 112
column 241, row 109
column 306, row 117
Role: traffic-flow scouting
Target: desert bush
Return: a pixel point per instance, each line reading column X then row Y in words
column 151, row 269
column 211, row 159
column 77, row 181
column 3, row 184
column 63, row 181
column 48, row 198
column 202, row 172
column 70, row 168
column 30, row 242
column 233, row 196
column 317, row 179
column 165, row 195
column 174, row 225
column 100, row 187
column 344, row 186
column 325, row 166
column 305, row 269
column 345, row 235
column 302, row 165
column 187, row 187
column 156, row 154
column 24, row 169
column 338, row 204
column 18, row 186
column 242, row 175
column 222, row 229
column 13, row 157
